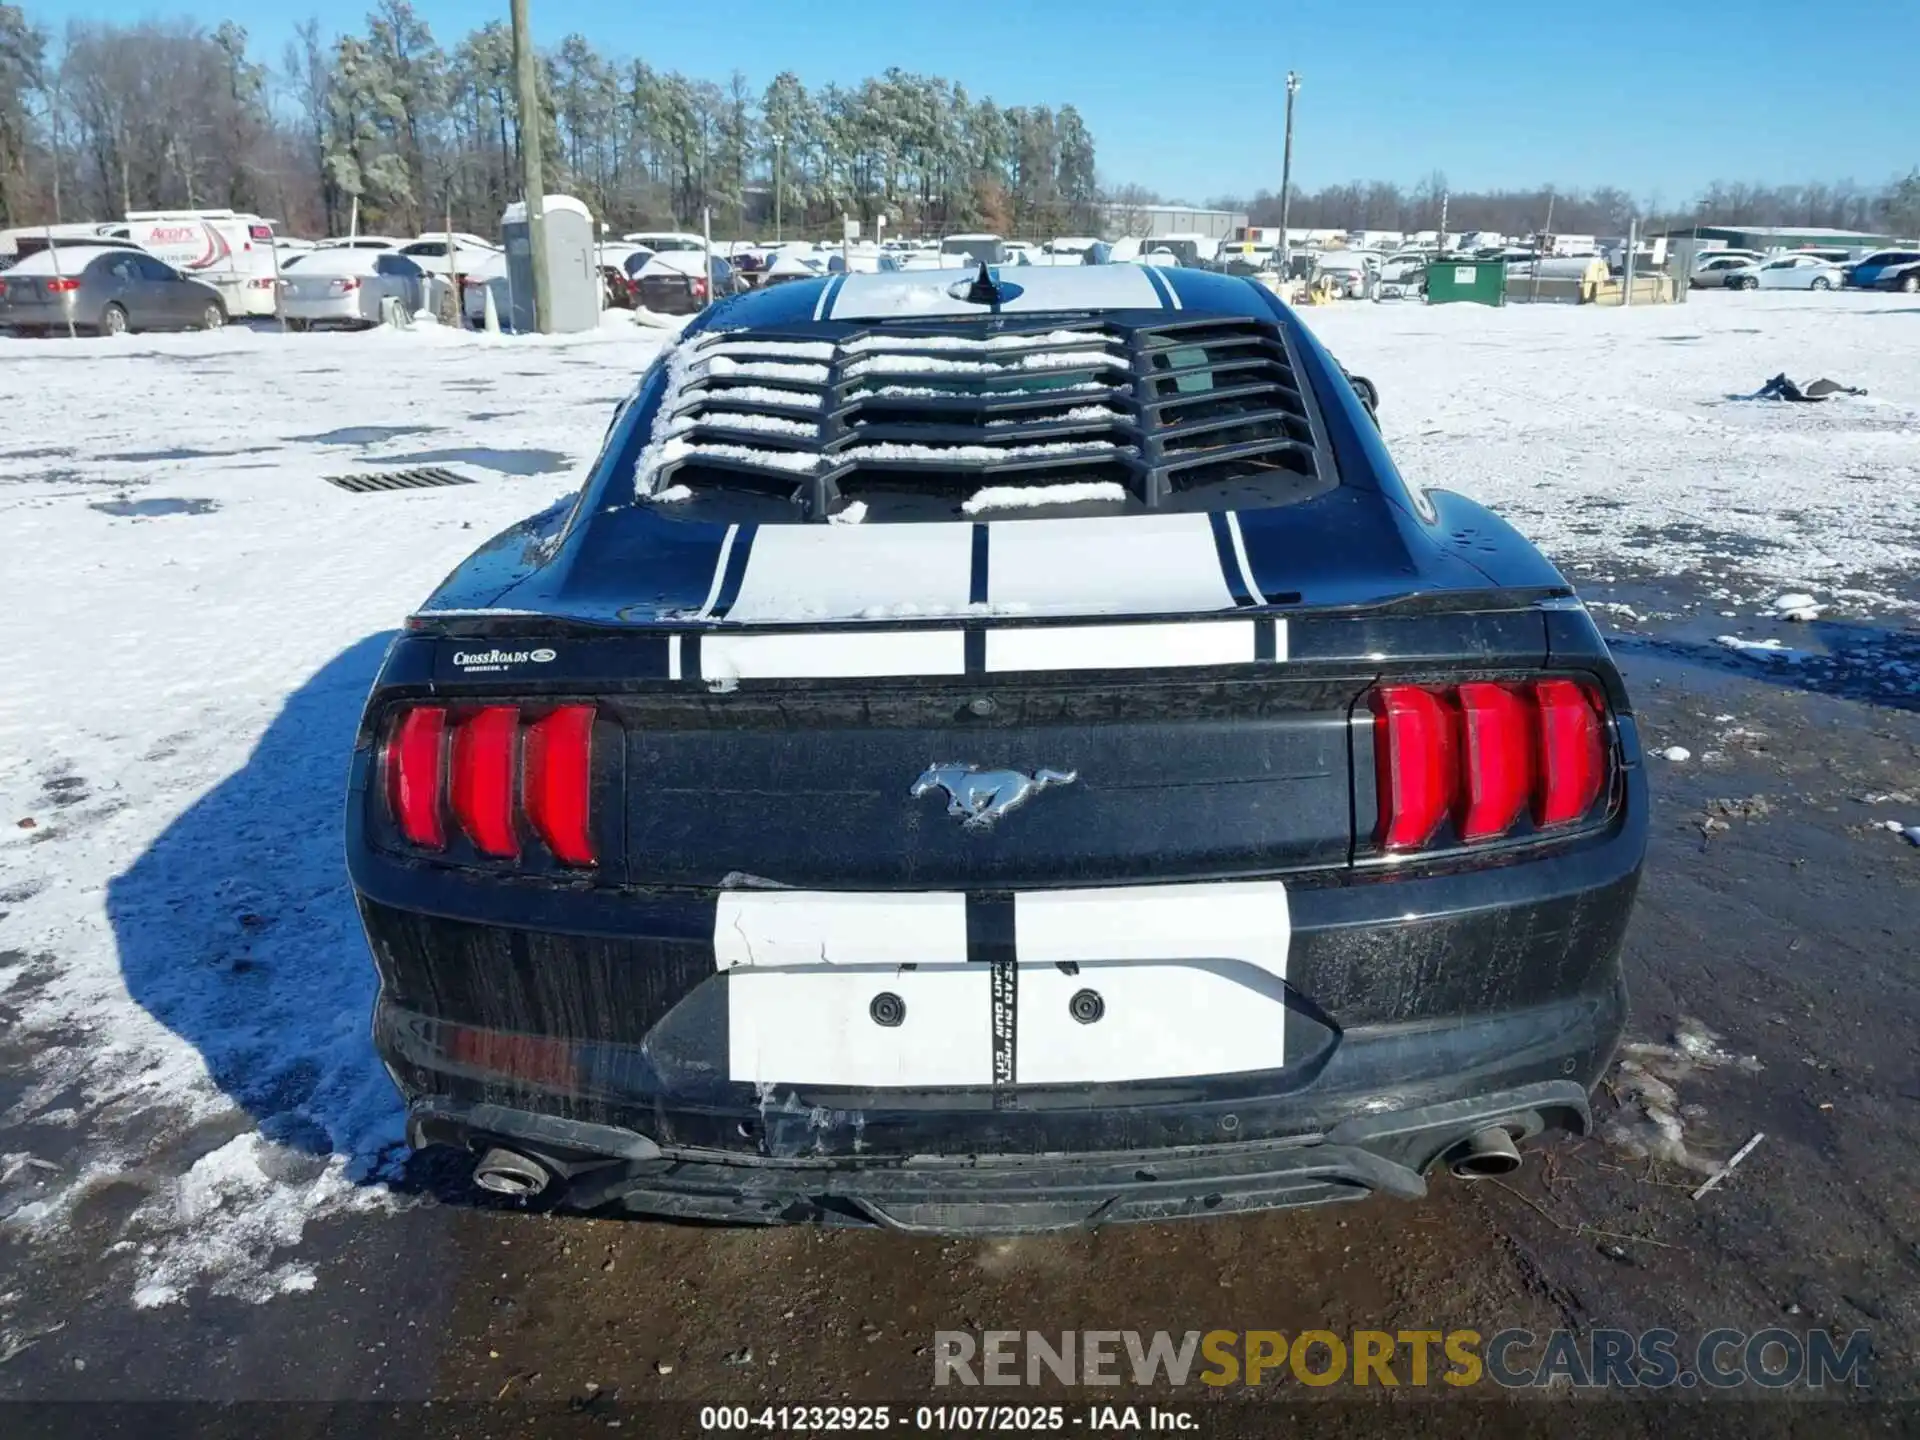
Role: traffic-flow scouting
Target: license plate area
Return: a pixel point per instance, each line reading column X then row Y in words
column 1037, row 988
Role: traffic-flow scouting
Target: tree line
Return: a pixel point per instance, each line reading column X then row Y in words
column 404, row 131
column 1891, row 208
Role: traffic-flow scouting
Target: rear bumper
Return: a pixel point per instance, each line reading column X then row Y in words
column 38, row 315
column 1427, row 1008
column 346, row 310
column 1387, row 1152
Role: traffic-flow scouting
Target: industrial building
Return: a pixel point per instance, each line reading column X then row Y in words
column 1147, row 221
column 1784, row 237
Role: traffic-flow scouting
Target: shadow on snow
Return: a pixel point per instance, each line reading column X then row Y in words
column 237, row 930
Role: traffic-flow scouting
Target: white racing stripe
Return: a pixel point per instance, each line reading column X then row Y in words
column 1191, row 977
column 1122, row 647
column 719, row 573
column 801, row 573
column 803, row 968
column 1105, row 565
column 833, row 656
column 1240, row 559
column 1043, row 287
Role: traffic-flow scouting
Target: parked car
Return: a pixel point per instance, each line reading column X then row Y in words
column 1904, row 278
column 345, row 286
column 1019, row 252
column 24, row 243
column 1245, row 257
column 1788, row 272
column 658, row 241
column 783, row 267
column 671, row 283
column 1405, row 268
column 491, row 275
column 1067, row 250
column 358, row 242
column 1869, row 273
column 1714, row 271
column 435, row 255
column 1345, row 272
column 964, row 250
column 955, row 872
column 106, row 290
column 618, row 290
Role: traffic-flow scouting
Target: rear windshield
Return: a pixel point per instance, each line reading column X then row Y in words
column 923, row 422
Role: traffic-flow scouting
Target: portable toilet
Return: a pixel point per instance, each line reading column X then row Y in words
column 573, row 275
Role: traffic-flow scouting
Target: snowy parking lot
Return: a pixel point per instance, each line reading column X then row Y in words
column 187, row 1088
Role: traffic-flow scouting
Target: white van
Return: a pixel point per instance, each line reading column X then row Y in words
column 229, row 250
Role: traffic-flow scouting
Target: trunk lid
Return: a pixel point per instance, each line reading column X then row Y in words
column 981, row 782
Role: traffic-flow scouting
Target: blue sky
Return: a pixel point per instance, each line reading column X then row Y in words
column 1185, row 95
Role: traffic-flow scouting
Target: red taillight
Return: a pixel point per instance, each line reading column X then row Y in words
column 413, row 776
column 560, row 782
column 1497, row 748
column 1573, row 764
column 482, row 778
column 3, row 289
column 347, row 283
column 470, row 764
column 1480, row 752
column 699, row 288
column 62, row 286
column 1415, row 747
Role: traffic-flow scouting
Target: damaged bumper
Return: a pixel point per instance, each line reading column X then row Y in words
column 1385, row 1153
column 589, row 1032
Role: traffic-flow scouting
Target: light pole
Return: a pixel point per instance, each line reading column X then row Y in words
column 1286, row 178
column 779, row 182
column 525, row 71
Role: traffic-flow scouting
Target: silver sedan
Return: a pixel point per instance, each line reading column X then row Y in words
column 104, row 291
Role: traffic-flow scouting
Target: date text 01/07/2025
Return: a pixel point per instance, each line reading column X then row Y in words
column 943, row 1419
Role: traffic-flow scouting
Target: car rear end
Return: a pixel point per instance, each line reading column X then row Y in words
column 322, row 293
column 1052, row 871
column 35, row 297
column 672, row 290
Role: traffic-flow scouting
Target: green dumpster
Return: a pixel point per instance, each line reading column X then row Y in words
column 1484, row 282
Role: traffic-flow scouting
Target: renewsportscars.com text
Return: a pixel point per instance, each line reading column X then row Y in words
column 1772, row 1359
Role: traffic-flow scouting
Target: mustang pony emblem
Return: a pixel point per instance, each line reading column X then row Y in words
column 980, row 797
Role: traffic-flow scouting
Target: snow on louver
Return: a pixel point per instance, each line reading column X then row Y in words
column 1026, row 497
column 1094, row 410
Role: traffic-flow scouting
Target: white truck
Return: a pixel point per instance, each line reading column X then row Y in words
column 228, row 249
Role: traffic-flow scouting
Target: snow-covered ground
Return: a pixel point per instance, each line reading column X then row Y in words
column 185, row 1074
column 184, row 992
column 1624, row 436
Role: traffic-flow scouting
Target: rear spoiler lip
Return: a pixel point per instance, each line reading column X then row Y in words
column 477, row 622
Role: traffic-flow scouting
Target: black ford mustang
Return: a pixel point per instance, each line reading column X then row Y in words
column 982, row 755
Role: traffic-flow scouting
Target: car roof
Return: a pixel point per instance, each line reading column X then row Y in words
column 913, row 294
column 72, row 258
column 677, row 262
column 345, row 259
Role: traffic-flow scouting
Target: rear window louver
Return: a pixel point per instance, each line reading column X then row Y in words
column 1199, row 413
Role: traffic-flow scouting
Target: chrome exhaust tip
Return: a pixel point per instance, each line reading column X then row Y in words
column 1485, row 1153
column 503, row 1172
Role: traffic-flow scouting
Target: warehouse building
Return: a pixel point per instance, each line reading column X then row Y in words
column 1784, row 237
column 1147, row 221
